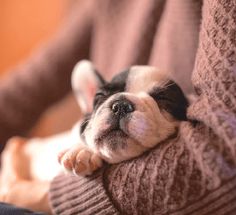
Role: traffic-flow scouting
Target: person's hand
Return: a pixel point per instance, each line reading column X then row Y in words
column 16, row 186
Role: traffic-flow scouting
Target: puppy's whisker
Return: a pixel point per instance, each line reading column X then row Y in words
column 84, row 122
column 163, row 88
column 164, row 83
column 169, row 85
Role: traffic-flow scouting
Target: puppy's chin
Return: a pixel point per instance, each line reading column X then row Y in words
column 114, row 144
column 125, row 148
column 112, row 138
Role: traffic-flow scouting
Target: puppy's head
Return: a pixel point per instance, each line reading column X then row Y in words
column 133, row 112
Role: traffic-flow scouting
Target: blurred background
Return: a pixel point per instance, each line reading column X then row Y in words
column 24, row 26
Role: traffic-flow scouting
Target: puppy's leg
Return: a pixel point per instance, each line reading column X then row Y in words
column 16, row 181
column 15, row 163
column 36, row 199
column 80, row 160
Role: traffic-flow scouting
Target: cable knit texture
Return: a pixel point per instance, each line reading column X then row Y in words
column 194, row 173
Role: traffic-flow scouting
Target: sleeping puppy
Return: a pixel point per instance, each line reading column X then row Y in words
column 123, row 118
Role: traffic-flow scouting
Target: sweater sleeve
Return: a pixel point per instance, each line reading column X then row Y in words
column 45, row 78
column 193, row 174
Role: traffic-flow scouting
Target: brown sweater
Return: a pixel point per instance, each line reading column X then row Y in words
column 194, row 173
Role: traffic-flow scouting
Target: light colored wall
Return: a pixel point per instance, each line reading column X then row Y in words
column 24, row 25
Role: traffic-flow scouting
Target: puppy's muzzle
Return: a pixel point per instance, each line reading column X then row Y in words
column 122, row 108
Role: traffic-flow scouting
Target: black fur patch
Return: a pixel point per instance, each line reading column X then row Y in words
column 100, row 78
column 84, row 123
column 171, row 99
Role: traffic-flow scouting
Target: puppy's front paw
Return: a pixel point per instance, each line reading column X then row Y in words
column 80, row 161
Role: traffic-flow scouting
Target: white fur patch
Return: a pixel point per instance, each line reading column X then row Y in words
column 144, row 78
column 43, row 155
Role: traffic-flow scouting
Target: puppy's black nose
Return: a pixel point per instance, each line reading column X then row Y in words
column 122, row 107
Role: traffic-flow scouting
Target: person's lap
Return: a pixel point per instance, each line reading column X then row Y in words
column 7, row 209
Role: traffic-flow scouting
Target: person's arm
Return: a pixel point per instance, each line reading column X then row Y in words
column 196, row 172
column 45, row 78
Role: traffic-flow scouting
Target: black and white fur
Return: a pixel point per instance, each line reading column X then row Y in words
column 123, row 118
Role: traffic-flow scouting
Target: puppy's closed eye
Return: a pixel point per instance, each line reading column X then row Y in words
column 99, row 98
column 171, row 99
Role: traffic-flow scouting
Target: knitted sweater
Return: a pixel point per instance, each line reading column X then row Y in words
column 194, row 173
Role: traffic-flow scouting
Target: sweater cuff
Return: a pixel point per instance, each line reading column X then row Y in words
column 80, row 195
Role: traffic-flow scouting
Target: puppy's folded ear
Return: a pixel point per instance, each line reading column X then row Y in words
column 85, row 81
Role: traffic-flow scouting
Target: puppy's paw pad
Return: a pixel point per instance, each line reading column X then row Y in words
column 82, row 163
column 95, row 162
column 80, row 169
column 87, row 162
column 61, row 155
column 67, row 164
column 67, row 159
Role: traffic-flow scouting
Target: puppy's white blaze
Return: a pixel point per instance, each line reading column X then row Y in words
column 84, row 84
column 144, row 78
